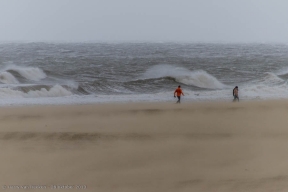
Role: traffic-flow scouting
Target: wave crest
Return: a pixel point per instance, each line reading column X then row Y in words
column 197, row 78
column 8, row 78
column 270, row 79
column 55, row 91
column 31, row 73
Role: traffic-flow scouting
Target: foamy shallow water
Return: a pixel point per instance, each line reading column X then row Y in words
column 216, row 96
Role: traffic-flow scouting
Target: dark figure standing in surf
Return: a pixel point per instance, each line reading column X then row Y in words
column 179, row 92
column 235, row 94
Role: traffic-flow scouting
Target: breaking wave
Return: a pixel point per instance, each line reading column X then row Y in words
column 13, row 81
column 283, row 71
column 7, row 78
column 272, row 78
column 55, row 91
column 31, row 73
column 198, row 78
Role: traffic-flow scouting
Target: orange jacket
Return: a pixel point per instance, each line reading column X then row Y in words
column 179, row 92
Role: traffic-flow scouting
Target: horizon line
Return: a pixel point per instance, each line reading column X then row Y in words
column 136, row 42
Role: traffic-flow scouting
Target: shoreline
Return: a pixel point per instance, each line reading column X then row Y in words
column 185, row 102
column 14, row 102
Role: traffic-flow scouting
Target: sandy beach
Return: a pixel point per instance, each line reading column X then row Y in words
column 145, row 147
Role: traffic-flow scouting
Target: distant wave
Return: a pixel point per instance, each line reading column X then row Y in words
column 150, row 80
column 283, row 71
column 272, row 78
column 13, row 74
column 14, row 84
column 55, row 91
column 8, row 78
column 31, row 73
column 197, row 78
column 268, row 79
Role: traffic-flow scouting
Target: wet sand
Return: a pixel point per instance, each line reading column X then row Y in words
column 146, row 147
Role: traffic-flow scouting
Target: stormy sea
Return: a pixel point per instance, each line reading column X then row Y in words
column 82, row 73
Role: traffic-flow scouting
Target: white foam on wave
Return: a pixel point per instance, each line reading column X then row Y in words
column 265, row 91
column 271, row 79
column 197, row 78
column 31, row 73
column 282, row 71
column 68, row 82
column 269, row 86
column 55, row 91
column 7, row 78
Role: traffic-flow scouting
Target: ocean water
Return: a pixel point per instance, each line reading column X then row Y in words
column 81, row 73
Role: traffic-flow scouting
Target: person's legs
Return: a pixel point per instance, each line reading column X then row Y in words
column 236, row 98
column 178, row 99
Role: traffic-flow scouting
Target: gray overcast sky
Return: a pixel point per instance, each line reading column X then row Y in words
column 144, row 20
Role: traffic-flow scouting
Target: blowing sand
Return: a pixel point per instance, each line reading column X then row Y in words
column 145, row 147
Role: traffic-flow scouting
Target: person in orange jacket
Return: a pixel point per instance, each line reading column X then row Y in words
column 179, row 92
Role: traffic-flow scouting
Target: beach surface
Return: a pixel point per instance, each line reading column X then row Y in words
column 145, row 147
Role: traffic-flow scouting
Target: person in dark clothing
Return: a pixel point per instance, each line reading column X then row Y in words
column 235, row 94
